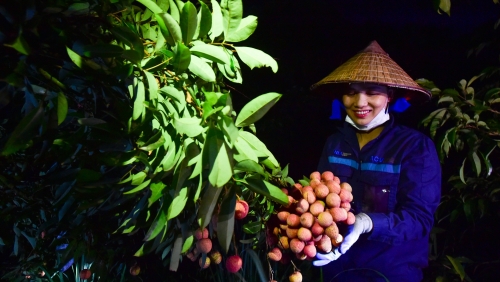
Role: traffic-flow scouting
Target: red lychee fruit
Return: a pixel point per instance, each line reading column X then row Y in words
column 324, row 244
column 316, row 208
column 321, row 191
column 346, row 186
column 295, row 277
column 332, row 231
column 284, row 243
column 135, row 270
column 296, row 245
column 338, row 214
column 315, row 175
column 204, row 264
column 293, row 220
column 204, row 245
column 332, row 200
column 304, row 234
column 325, row 219
column 314, row 183
column 85, row 274
column 327, row 175
column 215, row 257
column 283, row 215
column 234, row 263
column 309, row 196
column 306, row 219
column 201, row 233
column 345, row 195
column 292, row 232
column 337, row 241
column 302, row 206
column 310, row 251
column 350, row 218
column 333, row 187
column 316, row 229
column 346, row 206
column 275, row 254
column 241, row 209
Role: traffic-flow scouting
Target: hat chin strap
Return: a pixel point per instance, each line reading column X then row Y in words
column 381, row 118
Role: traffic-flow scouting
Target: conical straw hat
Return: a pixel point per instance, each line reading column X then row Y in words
column 373, row 65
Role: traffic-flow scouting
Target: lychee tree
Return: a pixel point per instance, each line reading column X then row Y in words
column 123, row 133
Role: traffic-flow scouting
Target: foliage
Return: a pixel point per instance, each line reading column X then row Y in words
column 119, row 137
column 467, row 133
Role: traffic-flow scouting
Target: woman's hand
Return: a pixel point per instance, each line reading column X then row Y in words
column 322, row 259
column 363, row 224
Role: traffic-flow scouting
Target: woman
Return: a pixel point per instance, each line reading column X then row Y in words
column 394, row 172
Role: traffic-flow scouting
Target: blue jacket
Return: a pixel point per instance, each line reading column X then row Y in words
column 396, row 181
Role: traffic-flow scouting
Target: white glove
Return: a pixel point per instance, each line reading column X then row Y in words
column 363, row 224
column 323, row 259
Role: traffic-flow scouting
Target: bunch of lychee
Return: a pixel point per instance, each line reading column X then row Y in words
column 310, row 222
column 204, row 244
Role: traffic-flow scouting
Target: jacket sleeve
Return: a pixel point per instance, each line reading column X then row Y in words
column 418, row 195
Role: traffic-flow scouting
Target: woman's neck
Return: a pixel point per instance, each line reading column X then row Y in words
column 366, row 136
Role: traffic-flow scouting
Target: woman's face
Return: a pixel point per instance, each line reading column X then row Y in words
column 363, row 101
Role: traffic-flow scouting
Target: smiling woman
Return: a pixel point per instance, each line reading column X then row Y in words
column 394, row 172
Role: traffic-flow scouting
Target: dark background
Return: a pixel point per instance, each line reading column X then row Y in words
column 309, row 39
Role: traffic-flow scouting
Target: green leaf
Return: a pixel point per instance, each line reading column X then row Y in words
column 182, row 58
column 174, row 93
column 256, row 58
column 232, row 12
column 178, row 203
column 249, row 166
column 256, row 109
column 216, row 156
column 20, row 45
column 230, row 130
column 189, row 22
column 156, row 192
column 211, row 52
column 152, row 86
column 62, row 108
column 461, row 172
column 245, row 29
column 102, row 50
column 75, row 58
column 201, row 69
column 158, row 225
column 174, row 11
column 129, row 38
column 187, row 244
column 445, row 6
column 24, row 131
column 151, row 5
column 252, row 227
column 176, row 250
column 246, row 152
column 457, row 266
column 207, row 205
column 138, row 187
column 154, row 144
column 205, row 20
column 477, row 163
column 267, row 189
column 225, row 221
column 217, row 20
column 189, row 126
column 139, row 93
column 259, row 146
column 169, row 28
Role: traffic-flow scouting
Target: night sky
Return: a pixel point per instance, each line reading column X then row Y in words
column 309, row 39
